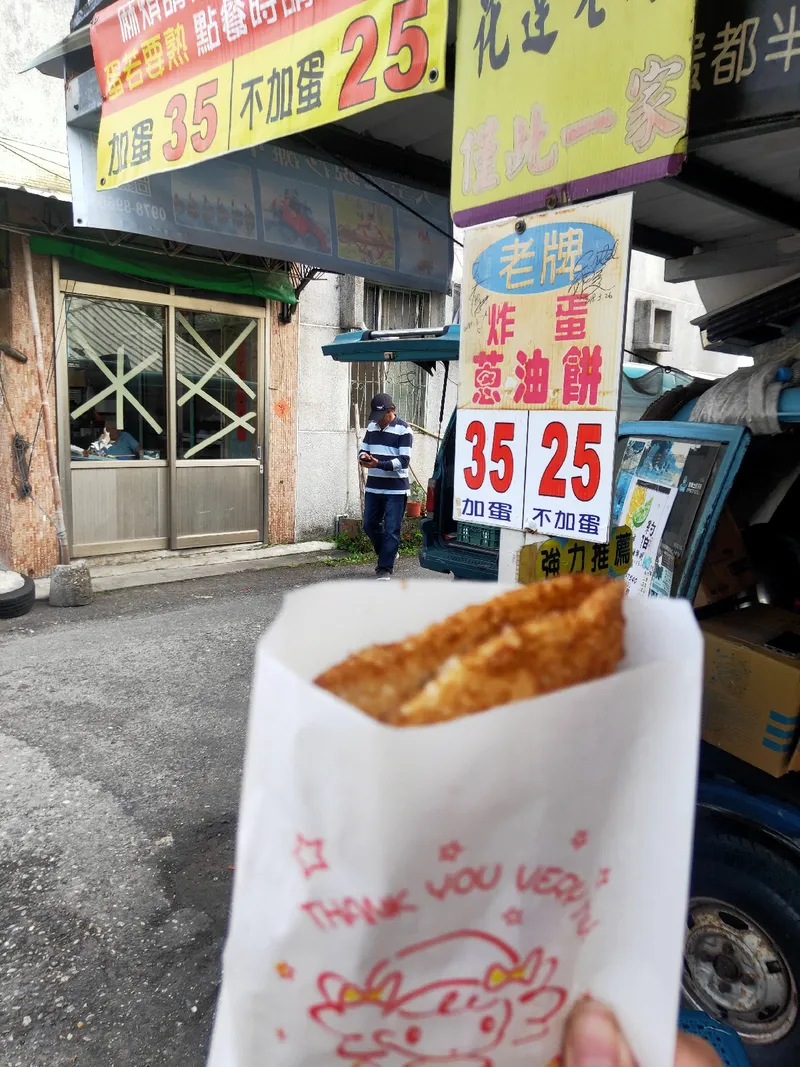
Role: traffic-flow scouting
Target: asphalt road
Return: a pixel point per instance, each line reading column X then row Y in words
column 121, row 741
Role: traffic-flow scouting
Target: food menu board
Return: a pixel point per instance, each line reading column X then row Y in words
column 540, row 361
column 280, row 202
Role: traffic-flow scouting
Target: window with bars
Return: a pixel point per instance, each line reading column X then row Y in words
column 456, row 302
column 406, row 383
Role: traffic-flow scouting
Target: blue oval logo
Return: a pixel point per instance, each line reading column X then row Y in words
column 544, row 258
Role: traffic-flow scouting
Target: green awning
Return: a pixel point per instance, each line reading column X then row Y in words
column 169, row 271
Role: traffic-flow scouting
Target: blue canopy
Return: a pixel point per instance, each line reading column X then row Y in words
column 421, row 346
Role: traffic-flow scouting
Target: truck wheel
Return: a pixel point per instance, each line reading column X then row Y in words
column 17, row 594
column 742, row 954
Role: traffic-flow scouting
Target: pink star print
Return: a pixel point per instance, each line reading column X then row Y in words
column 512, row 916
column 309, row 855
column 603, row 877
column 579, row 840
column 281, row 1035
column 450, row 852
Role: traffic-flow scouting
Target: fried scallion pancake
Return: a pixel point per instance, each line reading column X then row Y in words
column 528, row 641
column 540, row 656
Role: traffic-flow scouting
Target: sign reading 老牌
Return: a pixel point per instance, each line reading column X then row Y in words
column 184, row 82
column 544, row 302
column 563, row 102
column 534, row 263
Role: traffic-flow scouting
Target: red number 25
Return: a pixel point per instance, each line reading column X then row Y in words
column 585, row 458
column 408, row 43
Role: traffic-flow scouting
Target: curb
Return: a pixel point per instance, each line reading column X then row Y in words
column 163, row 575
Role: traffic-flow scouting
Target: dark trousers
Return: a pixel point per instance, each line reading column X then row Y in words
column 383, row 517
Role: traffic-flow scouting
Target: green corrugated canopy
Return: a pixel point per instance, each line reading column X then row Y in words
column 240, row 280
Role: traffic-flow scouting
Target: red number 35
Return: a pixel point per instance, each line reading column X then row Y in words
column 501, row 456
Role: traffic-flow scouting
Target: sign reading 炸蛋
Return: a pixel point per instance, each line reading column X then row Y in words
column 540, row 364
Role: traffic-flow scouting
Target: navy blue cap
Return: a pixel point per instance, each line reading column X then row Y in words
column 381, row 403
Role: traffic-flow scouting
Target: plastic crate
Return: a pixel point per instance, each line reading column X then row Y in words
column 724, row 1041
column 478, row 536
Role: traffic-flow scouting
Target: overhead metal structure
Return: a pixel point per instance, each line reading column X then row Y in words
column 734, row 207
column 422, row 346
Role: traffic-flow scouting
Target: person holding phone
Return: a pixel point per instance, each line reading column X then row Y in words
column 386, row 455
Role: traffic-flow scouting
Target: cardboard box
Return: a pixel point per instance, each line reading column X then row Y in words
column 727, row 570
column 751, row 699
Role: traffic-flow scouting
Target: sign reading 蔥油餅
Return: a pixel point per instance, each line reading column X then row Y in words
column 566, row 101
column 540, row 361
column 184, row 82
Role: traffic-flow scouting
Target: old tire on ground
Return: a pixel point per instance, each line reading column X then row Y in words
column 17, row 594
column 742, row 952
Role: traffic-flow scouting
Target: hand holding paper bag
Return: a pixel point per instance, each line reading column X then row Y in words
column 443, row 895
column 592, row 1038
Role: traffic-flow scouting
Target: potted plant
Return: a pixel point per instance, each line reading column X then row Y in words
column 415, row 501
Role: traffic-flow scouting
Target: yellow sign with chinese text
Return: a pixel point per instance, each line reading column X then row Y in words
column 182, row 85
column 568, row 101
column 544, row 309
column 557, row 556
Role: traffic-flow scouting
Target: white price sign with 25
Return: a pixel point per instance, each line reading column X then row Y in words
column 489, row 480
column 569, row 474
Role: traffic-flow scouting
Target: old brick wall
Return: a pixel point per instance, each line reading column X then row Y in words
column 27, row 537
column 5, row 436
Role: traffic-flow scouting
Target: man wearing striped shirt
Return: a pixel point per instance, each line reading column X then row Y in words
column 385, row 454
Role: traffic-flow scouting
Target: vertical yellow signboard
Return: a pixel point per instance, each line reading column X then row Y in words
column 568, row 101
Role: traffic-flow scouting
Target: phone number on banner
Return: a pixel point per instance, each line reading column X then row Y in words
column 365, row 55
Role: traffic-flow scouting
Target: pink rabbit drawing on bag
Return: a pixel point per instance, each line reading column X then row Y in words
column 455, row 1016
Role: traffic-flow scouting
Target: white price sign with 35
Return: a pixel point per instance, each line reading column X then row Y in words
column 569, row 473
column 489, row 481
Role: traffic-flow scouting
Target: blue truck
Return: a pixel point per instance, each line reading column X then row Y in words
column 742, row 959
column 742, row 956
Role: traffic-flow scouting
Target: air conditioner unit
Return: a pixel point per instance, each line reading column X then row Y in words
column 652, row 326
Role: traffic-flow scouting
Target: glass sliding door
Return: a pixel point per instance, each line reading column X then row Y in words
column 117, row 424
column 218, row 478
column 161, row 420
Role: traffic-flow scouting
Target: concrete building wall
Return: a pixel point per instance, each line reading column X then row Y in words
column 323, row 403
column 32, row 106
column 683, row 300
column 327, row 471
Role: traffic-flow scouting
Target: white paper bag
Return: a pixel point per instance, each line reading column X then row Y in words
column 441, row 895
